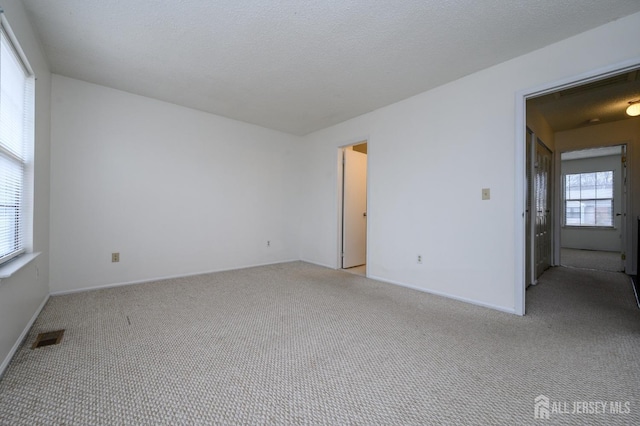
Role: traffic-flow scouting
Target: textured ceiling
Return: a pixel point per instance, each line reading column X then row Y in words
column 298, row 66
column 604, row 100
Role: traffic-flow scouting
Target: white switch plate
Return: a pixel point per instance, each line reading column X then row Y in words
column 486, row 193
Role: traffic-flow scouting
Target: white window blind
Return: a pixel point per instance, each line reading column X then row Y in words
column 589, row 199
column 16, row 143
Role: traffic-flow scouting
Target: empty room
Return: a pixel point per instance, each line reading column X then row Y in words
column 323, row 212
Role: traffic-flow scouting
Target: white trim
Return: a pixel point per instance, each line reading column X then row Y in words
column 168, row 277
column 521, row 97
column 412, row 287
column 520, row 231
column 14, row 265
column 339, row 209
column 16, row 46
column 23, row 335
column 324, row 265
column 24, row 237
column 447, row 295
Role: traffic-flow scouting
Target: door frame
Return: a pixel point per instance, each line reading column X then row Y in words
column 521, row 97
column 339, row 204
column 626, row 223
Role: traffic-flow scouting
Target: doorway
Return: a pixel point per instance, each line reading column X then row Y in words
column 354, row 209
column 594, row 208
column 610, row 90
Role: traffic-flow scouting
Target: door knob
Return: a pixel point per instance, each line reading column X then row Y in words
column 618, row 214
column 364, row 214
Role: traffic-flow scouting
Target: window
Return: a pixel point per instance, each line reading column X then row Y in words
column 588, row 199
column 16, row 144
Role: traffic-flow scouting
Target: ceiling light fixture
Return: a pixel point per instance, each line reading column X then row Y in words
column 634, row 108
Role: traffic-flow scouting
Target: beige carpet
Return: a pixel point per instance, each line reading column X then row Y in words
column 591, row 259
column 300, row 344
column 358, row 270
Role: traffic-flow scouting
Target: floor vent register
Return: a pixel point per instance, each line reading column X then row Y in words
column 48, row 339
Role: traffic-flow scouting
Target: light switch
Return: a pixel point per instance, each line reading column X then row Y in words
column 486, row 193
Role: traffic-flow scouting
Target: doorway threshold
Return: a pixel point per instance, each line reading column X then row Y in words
column 357, row 270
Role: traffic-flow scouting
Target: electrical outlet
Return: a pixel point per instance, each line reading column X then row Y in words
column 419, row 258
column 486, row 193
column 115, row 257
column 268, row 243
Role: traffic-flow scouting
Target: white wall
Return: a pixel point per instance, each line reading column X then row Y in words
column 607, row 239
column 607, row 134
column 175, row 191
column 22, row 294
column 429, row 160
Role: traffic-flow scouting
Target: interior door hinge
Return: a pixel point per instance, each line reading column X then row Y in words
column 623, row 256
column 342, row 254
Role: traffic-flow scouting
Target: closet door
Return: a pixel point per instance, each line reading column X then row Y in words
column 542, row 201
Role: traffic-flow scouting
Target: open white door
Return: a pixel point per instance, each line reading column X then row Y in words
column 354, row 209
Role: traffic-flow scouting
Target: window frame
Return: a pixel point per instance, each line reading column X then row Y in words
column 594, row 199
column 23, row 224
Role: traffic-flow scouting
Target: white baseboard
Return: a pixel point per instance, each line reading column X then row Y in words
column 162, row 278
column 318, row 264
column 24, row 333
column 437, row 293
column 447, row 295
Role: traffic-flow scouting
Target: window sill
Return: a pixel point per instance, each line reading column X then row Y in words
column 16, row 264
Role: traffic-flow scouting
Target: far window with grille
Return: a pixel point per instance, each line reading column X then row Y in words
column 589, row 199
